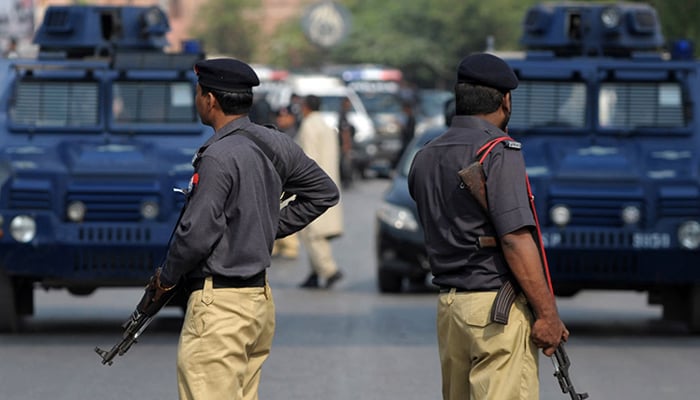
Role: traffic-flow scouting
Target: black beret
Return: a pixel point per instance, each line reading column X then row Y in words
column 487, row 70
column 226, row 74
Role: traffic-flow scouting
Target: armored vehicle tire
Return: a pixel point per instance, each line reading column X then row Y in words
column 388, row 281
column 9, row 317
column 694, row 309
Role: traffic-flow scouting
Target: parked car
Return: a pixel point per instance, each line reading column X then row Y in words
column 400, row 251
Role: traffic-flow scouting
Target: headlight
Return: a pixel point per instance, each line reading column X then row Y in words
column 76, row 211
column 397, row 217
column 391, row 127
column 150, row 209
column 689, row 235
column 610, row 17
column 23, row 228
column 631, row 215
column 560, row 215
column 371, row 149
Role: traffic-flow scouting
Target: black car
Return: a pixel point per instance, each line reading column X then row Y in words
column 399, row 243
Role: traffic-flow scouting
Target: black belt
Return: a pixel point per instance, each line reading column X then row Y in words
column 446, row 289
column 224, row 282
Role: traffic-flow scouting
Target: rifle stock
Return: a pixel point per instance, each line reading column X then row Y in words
column 474, row 180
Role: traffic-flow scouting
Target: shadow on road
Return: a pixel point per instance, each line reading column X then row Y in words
column 84, row 325
column 624, row 326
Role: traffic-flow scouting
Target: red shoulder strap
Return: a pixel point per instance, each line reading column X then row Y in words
column 486, row 148
column 482, row 153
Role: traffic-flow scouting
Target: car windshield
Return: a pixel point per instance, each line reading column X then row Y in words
column 155, row 102
column 539, row 104
column 332, row 104
column 378, row 103
column 44, row 103
column 432, row 102
column 629, row 105
column 416, row 144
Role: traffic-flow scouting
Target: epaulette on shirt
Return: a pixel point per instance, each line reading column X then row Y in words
column 513, row 145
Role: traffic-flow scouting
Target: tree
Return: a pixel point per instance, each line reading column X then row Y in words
column 679, row 19
column 425, row 38
column 290, row 48
column 228, row 27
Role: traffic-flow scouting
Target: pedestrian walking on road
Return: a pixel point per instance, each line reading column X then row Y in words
column 288, row 246
column 320, row 142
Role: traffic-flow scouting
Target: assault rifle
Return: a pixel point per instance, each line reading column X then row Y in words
column 146, row 309
column 137, row 322
column 474, row 180
column 561, row 363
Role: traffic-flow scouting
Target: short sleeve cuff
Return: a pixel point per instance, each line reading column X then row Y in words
column 513, row 220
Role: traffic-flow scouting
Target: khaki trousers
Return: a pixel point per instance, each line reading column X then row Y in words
column 481, row 359
column 226, row 336
column 320, row 254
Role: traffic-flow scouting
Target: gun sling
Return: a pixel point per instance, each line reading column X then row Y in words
column 472, row 177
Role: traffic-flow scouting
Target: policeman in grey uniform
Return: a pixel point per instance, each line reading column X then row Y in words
column 221, row 247
column 482, row 359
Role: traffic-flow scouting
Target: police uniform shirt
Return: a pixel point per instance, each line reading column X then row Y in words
column 233, row 214
column 452, row 219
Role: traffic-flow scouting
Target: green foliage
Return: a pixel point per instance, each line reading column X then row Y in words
column 290, row 48
column 679, row 19
column 224, row 29
column 424, row 38
column 427, row 38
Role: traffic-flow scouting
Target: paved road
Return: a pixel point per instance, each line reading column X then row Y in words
column 348, row 344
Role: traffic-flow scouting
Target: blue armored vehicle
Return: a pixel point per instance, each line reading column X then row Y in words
column 95, row 133
column 612, row 144
column 608, row 120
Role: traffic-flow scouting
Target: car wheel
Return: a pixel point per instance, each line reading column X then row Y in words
column 389, row 282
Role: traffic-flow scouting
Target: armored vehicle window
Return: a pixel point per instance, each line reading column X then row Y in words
column 55, row 104
column 640, row 105
column 546, row 103
column 153, row 102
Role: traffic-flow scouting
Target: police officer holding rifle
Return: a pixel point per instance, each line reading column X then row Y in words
column 221, row 247
column 495, row 308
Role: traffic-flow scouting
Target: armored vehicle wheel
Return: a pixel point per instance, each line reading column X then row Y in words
column 9, row 318
column 694, row 308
